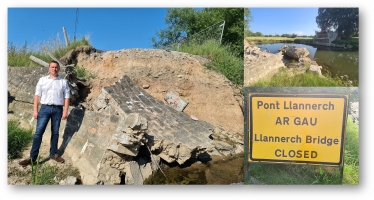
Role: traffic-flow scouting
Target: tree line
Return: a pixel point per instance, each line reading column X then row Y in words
column 248, row 33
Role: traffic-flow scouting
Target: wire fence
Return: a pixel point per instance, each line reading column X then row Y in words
column 213, row 32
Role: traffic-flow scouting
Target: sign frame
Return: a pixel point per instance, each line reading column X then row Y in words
column 290, row 92
column 305, row 96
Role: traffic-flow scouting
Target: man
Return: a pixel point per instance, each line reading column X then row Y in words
column 53, row 93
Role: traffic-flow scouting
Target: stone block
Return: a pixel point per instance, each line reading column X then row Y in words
column 316, row 69
column 119, row 148
column 175, row 101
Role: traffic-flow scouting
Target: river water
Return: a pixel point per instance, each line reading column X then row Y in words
column 338, row 61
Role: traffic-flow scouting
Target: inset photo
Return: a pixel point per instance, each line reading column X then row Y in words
column 125, row 96
column 290, row 47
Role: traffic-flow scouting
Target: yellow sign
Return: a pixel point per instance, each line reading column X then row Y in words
column 297, row 128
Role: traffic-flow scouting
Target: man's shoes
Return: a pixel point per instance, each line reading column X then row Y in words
column 25, row 162
column 57, row 158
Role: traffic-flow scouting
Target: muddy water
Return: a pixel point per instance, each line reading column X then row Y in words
column 218, row 171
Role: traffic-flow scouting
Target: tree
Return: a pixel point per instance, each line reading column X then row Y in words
column 247, row 19
column 344, row 20
column 184, row 22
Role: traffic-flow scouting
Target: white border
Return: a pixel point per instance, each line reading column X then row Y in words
column 362, row 191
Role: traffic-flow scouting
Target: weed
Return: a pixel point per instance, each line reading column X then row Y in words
column 47, row 175
column 42, row 175
column 83, row 73
column 18, row 139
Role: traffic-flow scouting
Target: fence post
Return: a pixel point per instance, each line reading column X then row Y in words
column 66, row 36
column 37, row 60
column 220, row 41
column 54, row 58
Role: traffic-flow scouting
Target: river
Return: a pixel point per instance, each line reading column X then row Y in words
column 338, row 61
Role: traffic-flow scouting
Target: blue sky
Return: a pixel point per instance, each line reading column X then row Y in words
column 107, row 28
column 271, row 21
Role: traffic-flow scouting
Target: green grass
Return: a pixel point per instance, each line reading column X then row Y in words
column 45, row 174
column 286, row 174
column 42, row 174
column 18, row 56
column 83, row 73
column 222, row 59
column 351, row 154
column 18, row 139
column 285, row 79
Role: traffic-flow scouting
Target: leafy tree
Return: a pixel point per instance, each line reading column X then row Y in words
column 184, row 22
column 344, row 20
column 259, row 34
column 247, row 33
column 285, row 35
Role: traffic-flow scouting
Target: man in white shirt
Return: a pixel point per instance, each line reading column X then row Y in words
column 53, row 93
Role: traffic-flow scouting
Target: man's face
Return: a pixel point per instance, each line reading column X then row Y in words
column 53, row 69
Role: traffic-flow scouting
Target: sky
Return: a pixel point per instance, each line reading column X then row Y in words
column 121, row 28
column 106, row 28
column 271, row 21
column 111, row 28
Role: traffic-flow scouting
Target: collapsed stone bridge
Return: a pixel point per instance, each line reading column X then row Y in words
column 124, row 137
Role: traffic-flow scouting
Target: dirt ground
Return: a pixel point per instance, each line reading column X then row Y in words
column 211, row 96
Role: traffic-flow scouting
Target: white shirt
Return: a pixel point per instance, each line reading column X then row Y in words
column 52, row 91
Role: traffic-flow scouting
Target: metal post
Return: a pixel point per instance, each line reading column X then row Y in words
column 220, row 41
column 66, row 36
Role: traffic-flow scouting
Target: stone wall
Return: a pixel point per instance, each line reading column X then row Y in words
column 260, row 64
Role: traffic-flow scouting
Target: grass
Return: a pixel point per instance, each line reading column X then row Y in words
column 42, row 175
column 222, row 59
column 82, row 73
column 284, row 174
column 18, row 56
column 18, row 139
column 285, row 79
column 351, row 154
column 45, row 174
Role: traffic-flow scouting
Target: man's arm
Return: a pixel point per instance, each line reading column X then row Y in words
column 66, row 108
column 36, row 106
